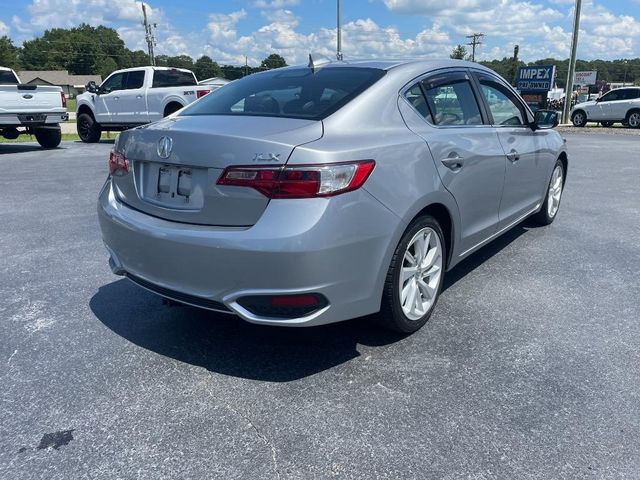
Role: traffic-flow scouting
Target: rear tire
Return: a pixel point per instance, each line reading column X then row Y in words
column 48, row 137
column 579, row 118
column 88, row 129
column 633, row 119
column 415, row 277
column 607, row 124
column 551, row 205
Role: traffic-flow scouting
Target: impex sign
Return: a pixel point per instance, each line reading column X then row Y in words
column 538, row 78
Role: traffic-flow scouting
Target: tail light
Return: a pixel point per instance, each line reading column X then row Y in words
column 202, row 93
column 298, row 181
column 118, row 163
column 64, row 99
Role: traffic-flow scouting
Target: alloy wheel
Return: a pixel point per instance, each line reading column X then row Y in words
column 555, row 192
column 420, row 274
column 634, row 120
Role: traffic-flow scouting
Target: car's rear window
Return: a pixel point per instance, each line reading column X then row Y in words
column 173, row 78
column 7, row 78
column 291, row 93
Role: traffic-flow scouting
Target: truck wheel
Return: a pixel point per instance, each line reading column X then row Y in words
column 172, row 108
column 48, row 137
column 88, row 130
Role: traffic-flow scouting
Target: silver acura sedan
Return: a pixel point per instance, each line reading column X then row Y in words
column 314, row 194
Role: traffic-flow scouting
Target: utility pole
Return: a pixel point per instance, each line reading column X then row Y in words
column 149, row 35
column 339, row 32
column 572, row 63
column 475, row 41
column 624, row 82
column 516, row 52
column 246, row 66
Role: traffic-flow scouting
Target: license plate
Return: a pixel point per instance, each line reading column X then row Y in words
column 32, row 118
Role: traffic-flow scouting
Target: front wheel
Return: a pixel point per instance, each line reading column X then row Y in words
column 551, row 205
column 415, row 277
column 579, row 118
column 48, row 137
column 88, row 129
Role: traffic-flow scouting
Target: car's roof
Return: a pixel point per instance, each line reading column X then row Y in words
column 154, row 68
column 407, row 66
column 387, row 64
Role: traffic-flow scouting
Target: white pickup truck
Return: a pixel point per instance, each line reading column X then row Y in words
column 36, row 109
column 133, row 97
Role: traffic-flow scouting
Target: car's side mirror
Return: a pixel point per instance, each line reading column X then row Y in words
column 545, row 119
column 91, row 87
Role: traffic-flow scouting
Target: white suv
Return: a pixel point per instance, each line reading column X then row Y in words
column 619, row 105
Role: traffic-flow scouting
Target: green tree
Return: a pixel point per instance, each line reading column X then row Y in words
column 138, row 58
column 459, row 53
column 9, row 53
column 180, row 61
column 104, row 66
column 206, row 68
column 79, row 50
column 273, row 61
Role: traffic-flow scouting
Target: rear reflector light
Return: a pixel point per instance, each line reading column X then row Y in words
column 298, row 181
column 118, row 164
column 64, row 99
column 284, row 306
column 202, row 93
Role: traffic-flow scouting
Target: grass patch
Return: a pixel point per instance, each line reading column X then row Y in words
column 71, row 104
column 66, row 137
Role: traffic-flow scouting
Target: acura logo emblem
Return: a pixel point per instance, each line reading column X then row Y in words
column 165, row 145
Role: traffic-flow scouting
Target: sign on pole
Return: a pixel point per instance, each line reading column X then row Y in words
column 538, row 78
column 586, row 78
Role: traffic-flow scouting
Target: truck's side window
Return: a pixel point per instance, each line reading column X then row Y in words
column 135, row 79
column 113, row 83
column 173, row 78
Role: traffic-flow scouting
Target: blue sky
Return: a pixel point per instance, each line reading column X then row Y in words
column 227, row 30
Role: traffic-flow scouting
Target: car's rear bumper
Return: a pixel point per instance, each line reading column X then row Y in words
column 338, row 247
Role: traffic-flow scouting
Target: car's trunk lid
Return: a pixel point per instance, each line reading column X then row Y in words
column 182, row 187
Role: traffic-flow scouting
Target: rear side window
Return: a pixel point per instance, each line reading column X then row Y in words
column 631, row 94
column 7, row 78
column 416, row 98
column 135, row 79
column 291, row 93
column 452, row 102
column 173, row 78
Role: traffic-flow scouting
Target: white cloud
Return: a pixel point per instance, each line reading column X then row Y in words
column 541, row 29
column 275, row 3
column 4, row 29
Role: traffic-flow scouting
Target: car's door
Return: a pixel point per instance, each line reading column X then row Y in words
column 524, row 148
column 132, row 104
column 107, row 102
column 604, row 109
column 466, row 150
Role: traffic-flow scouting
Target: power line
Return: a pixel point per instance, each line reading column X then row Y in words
column 475, row 42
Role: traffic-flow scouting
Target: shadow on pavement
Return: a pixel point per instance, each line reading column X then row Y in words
column 227, row 345
column 6, row 148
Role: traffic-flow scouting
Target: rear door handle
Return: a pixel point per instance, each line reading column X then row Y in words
column 454, row 162
column 513, row 156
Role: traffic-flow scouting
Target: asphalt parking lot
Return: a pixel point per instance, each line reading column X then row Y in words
column 528, row 369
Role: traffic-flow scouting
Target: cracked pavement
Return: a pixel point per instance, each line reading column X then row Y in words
column 528, row 368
